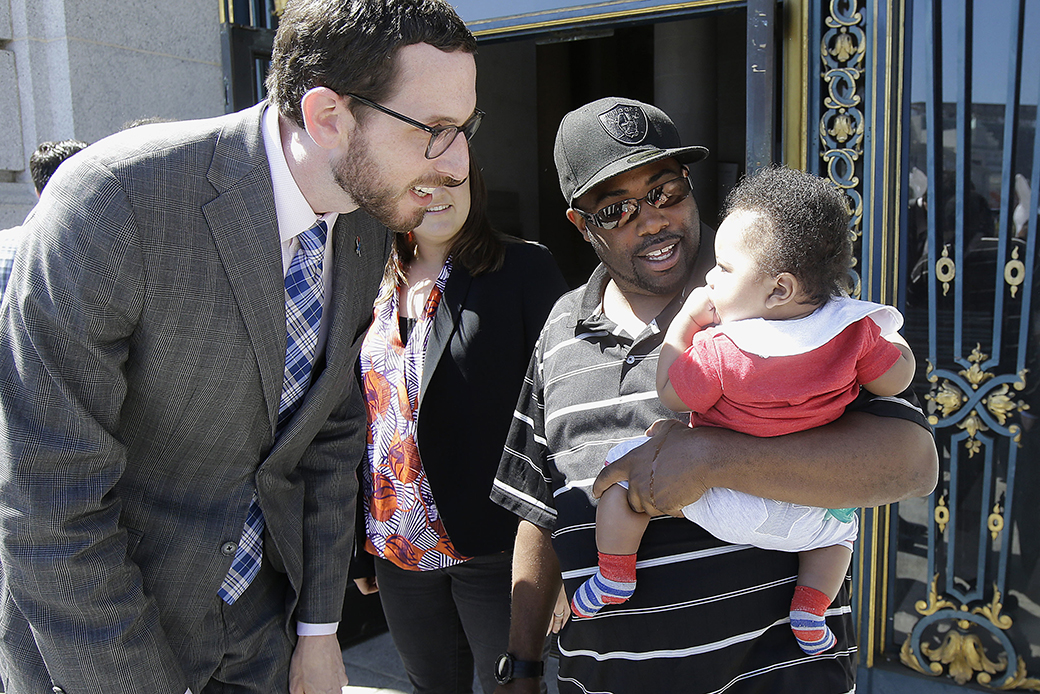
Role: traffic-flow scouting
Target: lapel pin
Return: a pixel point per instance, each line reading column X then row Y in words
column 357, row 245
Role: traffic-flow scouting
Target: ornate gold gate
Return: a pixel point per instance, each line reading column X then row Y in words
column 925, row 112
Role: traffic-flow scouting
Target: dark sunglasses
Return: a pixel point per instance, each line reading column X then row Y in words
column 620, row 213
column 441, row 136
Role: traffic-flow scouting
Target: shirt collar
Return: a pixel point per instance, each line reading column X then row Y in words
column 591, row 311
column 291, row 208
column 591, row 316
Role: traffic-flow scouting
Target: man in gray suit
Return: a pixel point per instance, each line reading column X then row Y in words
column 176, row 483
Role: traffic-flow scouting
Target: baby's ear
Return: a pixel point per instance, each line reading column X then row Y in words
column 785, row 288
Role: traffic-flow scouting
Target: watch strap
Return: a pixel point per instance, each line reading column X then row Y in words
column 508, row 668
column 528, row 668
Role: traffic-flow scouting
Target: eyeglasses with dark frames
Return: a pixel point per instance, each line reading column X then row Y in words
column 618, row 214
column 441, row 136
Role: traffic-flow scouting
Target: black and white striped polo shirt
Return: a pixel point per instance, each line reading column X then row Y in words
column 706, row 616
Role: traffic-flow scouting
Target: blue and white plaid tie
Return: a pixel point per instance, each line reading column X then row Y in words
column 304, row 290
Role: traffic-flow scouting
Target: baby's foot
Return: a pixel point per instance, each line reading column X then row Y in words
column 597, row 592
column 809, row 622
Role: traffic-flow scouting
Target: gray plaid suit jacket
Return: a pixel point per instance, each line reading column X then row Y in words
column 9, row 239
column 142, row 351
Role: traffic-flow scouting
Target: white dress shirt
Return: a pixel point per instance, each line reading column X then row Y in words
column 295, row 216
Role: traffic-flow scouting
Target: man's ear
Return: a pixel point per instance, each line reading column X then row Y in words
column 326, row 117
column 785, row 289
column 578, row 221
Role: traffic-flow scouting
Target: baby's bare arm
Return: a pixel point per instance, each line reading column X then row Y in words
column 695, row 315
column 898, row 377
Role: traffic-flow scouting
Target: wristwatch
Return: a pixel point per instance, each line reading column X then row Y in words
column 508, row 668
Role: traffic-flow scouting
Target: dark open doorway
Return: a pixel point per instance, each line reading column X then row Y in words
column 693, row 68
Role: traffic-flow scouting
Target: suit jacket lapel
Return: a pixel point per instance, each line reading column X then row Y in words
column 445, row 322
column 343, row 248
column 245, row 230
column 359, row 246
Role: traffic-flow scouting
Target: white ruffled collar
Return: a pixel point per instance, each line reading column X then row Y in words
column 783, row 338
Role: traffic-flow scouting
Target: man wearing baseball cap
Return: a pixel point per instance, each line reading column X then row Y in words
column 706, row 616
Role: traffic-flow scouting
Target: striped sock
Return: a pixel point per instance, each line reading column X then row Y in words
column 807, row 620
column 613, row 583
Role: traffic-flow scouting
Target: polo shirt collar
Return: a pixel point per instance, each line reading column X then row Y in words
column 591, row 316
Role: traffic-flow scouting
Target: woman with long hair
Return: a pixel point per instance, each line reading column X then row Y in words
column 456, row 320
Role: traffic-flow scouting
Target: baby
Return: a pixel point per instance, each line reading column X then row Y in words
column 772, row 345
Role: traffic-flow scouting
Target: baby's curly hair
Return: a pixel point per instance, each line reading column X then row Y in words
column 802, row 227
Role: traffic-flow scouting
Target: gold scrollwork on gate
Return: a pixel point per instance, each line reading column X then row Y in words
column 948, row 398
column 942, row 517
column 962, row 653
column 844, row 127
column 964, row 656
column 945, row 270
column 992, row 610
column 844, row 46
column 935, row 601
column 995, row 522
column 1001, row 405
column 973, row 424
column 1014, row 272
column 842, row 124
column 907, row 657
column 1021, row 679
column 975, row 375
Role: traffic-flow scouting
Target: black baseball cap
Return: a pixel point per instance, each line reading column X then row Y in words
column 611, row 136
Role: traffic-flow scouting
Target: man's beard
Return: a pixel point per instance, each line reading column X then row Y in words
column 358, row 174
column 627, row 273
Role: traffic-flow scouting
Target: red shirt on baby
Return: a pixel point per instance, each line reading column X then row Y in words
column 780, row 379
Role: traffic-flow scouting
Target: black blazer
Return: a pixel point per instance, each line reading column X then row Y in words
column 476, row 359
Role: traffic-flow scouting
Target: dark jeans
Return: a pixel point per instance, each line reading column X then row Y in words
column 445, row 621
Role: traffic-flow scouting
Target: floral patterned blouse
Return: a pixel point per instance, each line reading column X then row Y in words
column 402, row 524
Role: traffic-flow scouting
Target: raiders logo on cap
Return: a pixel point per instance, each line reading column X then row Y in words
column 625, row 123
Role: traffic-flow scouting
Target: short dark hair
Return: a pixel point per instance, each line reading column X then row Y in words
column 44, row 161
column 350, row 46
column 802, row 228
column 478, row 247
